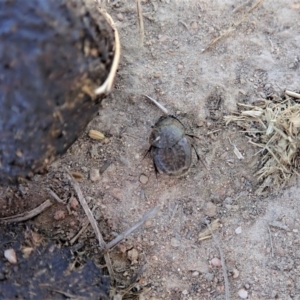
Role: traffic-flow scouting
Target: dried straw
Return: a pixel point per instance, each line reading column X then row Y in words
column 277, row 127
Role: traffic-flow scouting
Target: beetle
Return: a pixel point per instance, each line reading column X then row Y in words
column 170, row 146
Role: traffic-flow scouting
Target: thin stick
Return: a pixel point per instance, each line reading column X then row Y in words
column 233, row 28
column 226, row 281
column 27, row 215
column 93, row 222
column 158, row 105
column 126, row 233
column 75, row 238
column 87, row 211
column 140, row 22
column 292, row 94
column 54, row 195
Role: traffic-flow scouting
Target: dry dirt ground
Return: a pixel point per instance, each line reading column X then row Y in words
column 259, row 235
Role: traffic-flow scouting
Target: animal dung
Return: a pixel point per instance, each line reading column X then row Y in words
column 58, row 60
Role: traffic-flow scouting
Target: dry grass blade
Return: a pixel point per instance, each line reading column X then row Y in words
column 160, row 106
column 126, row 233
column 106, row 87
column 27, row 215
column 54, row 195
column 292, row 94
column 93, row 222
column 206, row 233
column 87, row 211
column 140, row 22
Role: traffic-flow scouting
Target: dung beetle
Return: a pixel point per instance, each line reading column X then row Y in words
column 171, row 146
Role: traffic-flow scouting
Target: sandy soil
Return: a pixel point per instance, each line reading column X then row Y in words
column 259, row 236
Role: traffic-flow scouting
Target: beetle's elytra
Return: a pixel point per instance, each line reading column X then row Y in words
column 171, row 147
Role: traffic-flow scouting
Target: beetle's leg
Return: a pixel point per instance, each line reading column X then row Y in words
column 198, row 156
column 174, row 117
column 147, row 152
column 155, row 168
column 193, row 136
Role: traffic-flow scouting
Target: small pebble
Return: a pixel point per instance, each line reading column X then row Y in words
column 180, row 67
column 209, row 276
column 210, row 209
column 195, row 274
column 106, row 140
column 143, row 179
column 94, row 175
column 175, row 42
column 27, row 251
column 228, row 200
column 10, row 255
column 216, row 262
column 185, row 292
column 133, row 255
column 117, row 193
column 238, row 230
column 74, row 203
column 162, row 38
column 148, row 223
column 175, row 243
column 194, row 25
column 243, row 294
column 236, row 273
column 59, row 215
column 120, row 17
column 291, row 65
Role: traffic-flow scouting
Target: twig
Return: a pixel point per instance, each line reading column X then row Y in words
column 292, row 94
column 158, row 105
column 213, row 131
column 27, row 215
column 54, row 195
column 75, row 238
column 126, row 233
column 93, row 222
column 87, row 211
column 225, row 275
column 233, row 28
column 103, row 246
column 140, row 22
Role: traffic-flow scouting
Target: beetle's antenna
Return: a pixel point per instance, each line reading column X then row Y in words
column 158, row 105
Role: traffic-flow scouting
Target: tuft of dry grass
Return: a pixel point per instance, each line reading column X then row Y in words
column 275, row 128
